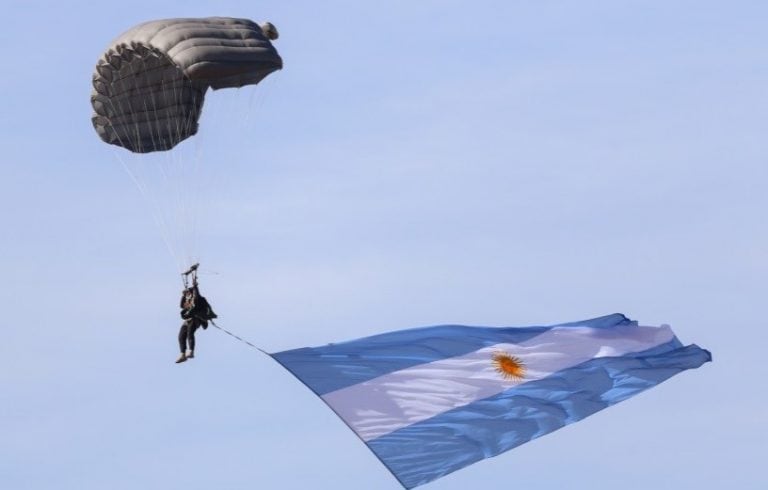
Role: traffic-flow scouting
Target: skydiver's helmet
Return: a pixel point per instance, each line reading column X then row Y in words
column 269, row 30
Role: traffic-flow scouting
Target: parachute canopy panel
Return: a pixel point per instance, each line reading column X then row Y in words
column 150, row 84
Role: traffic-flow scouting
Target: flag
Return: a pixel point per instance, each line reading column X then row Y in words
column 429, row 401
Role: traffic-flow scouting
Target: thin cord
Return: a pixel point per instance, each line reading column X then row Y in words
column 239, row 338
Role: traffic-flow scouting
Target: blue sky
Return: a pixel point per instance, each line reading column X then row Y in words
column 415, row 163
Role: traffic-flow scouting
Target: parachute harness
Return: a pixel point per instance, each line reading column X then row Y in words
column 192, row 271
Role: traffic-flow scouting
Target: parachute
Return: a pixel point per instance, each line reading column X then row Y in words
column 148, row 92
column 149, row 85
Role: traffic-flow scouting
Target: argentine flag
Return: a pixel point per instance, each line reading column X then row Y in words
column 429, row 401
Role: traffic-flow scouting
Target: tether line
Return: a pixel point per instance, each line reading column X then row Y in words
column 239, row 338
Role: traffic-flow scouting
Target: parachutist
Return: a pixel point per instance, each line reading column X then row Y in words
column 196, row 312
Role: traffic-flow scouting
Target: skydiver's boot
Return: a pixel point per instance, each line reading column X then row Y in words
column 182, row 358
column 191, row 354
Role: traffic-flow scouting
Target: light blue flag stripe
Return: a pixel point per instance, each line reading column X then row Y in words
column 427, row 450
column 332, row 367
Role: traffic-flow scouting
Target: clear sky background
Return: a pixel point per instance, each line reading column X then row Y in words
column 486, row 163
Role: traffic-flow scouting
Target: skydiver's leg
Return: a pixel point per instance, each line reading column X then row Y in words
column 183, row 333
column 182, row 341
column 193, row 325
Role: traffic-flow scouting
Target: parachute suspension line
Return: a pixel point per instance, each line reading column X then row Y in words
column 151, row 131
column 161, row 221
column 142, row 189
column 172, row 180
column 158, row 217
column 170, row 165
column 176, row 209
column 257, row 98
column 190, row 181
column 157, row 144
column 176, row 164
column 239, row 338
column 247, row 117
column 172, row 174
column 198, row 193
column 204, row 177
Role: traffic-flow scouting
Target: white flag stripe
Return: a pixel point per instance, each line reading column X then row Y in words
column 395, row 400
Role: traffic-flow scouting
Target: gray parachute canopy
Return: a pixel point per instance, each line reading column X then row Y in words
column 150, row 83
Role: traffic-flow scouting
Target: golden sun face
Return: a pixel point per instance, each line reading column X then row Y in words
column 510, row 367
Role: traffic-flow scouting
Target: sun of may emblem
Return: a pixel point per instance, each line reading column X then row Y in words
column 510, row 367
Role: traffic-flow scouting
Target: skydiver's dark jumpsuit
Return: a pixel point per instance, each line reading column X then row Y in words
column 192, row 307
